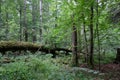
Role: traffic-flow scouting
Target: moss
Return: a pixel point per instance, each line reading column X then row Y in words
column 19, row 46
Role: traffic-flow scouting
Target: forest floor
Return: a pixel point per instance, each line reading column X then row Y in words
column 57, row 68
column 109, row 71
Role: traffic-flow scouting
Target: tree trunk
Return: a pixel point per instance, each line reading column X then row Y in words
column 20, row 11
column 117, row 60
column 97, row 32
column 7, row 30
column 34, row 21
column 85, row 39
column 74, row 45
column 56, row 15
column 40, row 30
column 0, row 9
column 91, row 38
column 25, row 22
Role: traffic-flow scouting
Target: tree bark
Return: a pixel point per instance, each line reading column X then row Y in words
column 91, row 37
column 34, row 21
column 74, row 45
column 56, row 15
column 97, row 32
column 7, row 30
column 41, row 24
column 20, row 12
column 85, row 38
column 117, row 60
column 25, row 23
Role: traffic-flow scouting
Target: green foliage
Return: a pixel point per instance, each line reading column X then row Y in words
column 35, row 67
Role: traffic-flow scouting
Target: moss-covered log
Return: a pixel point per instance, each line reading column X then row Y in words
column 19, row 46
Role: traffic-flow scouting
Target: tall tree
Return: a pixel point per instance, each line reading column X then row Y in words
column 0, row 13
column 25, row 22
column 97, row 32
column 6, row 23
column 41, row 24
column 85, row 39
column 20, row 20
column 91, row 36
column 56, row 14
column 74, row 43
column 34, row 20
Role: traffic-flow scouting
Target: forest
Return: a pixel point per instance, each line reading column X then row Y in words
column 59, row 40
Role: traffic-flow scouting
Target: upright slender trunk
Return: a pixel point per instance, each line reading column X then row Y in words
column 0, row 8
column 34, row 21
column 74, row 45
column 56, row 15
column 97, row 31
column 7, row 30
column 25, row 22
column 20, row 11
column 0, row 13
column 91, row 38
column 40, row 30
column 85, row 39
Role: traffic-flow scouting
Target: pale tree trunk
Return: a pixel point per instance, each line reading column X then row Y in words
column 91, row 37
column 25, row 22
column 41, row 25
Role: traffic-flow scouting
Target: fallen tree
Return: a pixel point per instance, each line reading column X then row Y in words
column 24, row 46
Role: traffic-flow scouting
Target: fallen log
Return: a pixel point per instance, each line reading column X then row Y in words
column 24, row 46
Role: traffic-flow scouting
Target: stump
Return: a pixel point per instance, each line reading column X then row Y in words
column 117, row 60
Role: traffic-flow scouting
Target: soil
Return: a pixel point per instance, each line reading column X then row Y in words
column 111, row 70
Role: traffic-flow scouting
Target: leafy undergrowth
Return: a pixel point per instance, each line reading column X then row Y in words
column 39, row 67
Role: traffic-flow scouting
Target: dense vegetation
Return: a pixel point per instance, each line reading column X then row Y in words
column 59, row 39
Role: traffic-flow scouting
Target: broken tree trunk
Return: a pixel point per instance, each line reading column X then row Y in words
column 19, row 46
column 117, row 60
